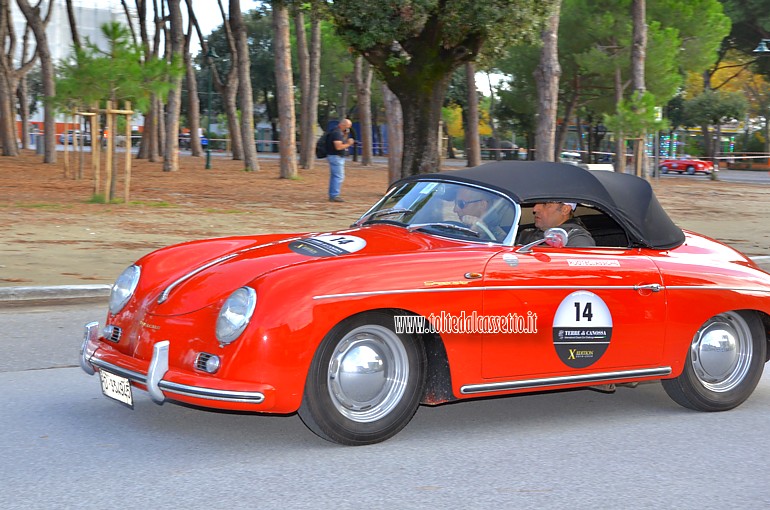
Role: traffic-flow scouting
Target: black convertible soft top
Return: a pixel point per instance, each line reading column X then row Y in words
column 626, row 198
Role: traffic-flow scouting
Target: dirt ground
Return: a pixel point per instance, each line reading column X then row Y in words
column 53, row 235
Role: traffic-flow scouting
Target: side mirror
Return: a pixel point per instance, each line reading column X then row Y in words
column 556, row 237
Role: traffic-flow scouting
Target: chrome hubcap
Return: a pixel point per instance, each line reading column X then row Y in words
column 721, row 352
column 368, row 372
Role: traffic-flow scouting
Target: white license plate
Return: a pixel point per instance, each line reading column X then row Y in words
column 116, row 387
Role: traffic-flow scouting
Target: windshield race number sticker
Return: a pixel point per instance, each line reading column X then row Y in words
column 582, row 329
column 327, row 245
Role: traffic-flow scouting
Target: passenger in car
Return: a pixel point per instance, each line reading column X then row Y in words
column 557, row 214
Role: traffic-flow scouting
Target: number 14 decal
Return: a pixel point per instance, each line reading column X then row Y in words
column 586, row 314
column 341, row 240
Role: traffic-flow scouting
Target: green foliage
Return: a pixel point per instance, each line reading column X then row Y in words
column 700, row 25
column 750, row 22
column 260, row 33
column 674, row 112
column 714, row 107
column 595, row 38
column 635, row 117
column 517, row 99
column 336, row 70
column 432, row 36
column 119, row 73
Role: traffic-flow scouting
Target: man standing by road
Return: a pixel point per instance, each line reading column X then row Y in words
column 339, row 142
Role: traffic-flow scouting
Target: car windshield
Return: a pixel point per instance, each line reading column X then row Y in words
column 447, row 209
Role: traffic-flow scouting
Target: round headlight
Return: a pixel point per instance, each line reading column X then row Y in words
column 124, row 288
column 235, row 314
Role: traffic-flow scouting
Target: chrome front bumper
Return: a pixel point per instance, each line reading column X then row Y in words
column 153, row 380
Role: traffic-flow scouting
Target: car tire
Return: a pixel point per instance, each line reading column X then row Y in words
column 724, row 363
column 690, row 170
column 365, row 382
column 664, row 169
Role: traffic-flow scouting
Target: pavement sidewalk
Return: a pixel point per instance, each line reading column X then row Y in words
column 59, row 293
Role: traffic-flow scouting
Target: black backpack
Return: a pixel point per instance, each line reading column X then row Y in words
column 322, row 146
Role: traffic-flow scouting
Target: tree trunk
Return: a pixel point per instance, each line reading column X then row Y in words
column 272, row 114
column 13, row 83
column 22, row 87
column 638, row 56
column 303, row 63
column 639, row 46
column 547, row 83
column 148, row 148
column 284, row 84
column 231, row 111
column 160, row 131
column 7, row 124
column 315, row 77
column 395, row 119
column 421, row 126
column 342, row 108
column 472, row 141
column 420, row 81
column 707, row 144
column 24, row 112
column 38, row 26
column 227, row 89
column 579, row 133
column 193, row 100
column 73, row 25
column 193, row 108
column 492, row 123
column 561, row 132
column 620, row 140
column 245, row 94
column 149, row 144
column 174, row 104
column 7, row 118
column 363, row 73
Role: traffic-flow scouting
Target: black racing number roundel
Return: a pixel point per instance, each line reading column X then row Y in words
column 582, row 329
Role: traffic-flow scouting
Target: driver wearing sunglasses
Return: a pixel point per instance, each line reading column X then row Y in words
column 472, row 206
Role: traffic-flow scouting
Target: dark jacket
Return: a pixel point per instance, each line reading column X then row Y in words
column 336, row 134
column 577, row 235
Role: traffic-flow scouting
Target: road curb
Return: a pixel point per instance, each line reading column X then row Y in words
column 57, row 293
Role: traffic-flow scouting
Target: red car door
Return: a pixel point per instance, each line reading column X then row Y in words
column 571, row 309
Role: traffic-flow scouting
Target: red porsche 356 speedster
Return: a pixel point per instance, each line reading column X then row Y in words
column 691, row 166
column 430, row 298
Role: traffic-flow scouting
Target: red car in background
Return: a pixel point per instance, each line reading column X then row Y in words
column 691, row 166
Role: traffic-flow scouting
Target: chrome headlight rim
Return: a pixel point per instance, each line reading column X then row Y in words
column 123, row 288
column 235, row 315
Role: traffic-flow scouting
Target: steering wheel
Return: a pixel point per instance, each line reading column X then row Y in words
column 485, row 230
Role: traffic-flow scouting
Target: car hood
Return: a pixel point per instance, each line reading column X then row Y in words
column 183, row 278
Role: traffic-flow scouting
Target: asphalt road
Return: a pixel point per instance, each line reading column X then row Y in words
column 741, row 176
column 64, row 445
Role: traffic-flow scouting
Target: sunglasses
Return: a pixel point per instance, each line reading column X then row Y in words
column 462, row 203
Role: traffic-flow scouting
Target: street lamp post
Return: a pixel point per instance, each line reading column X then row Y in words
column 210, row 55
column 763, row 48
